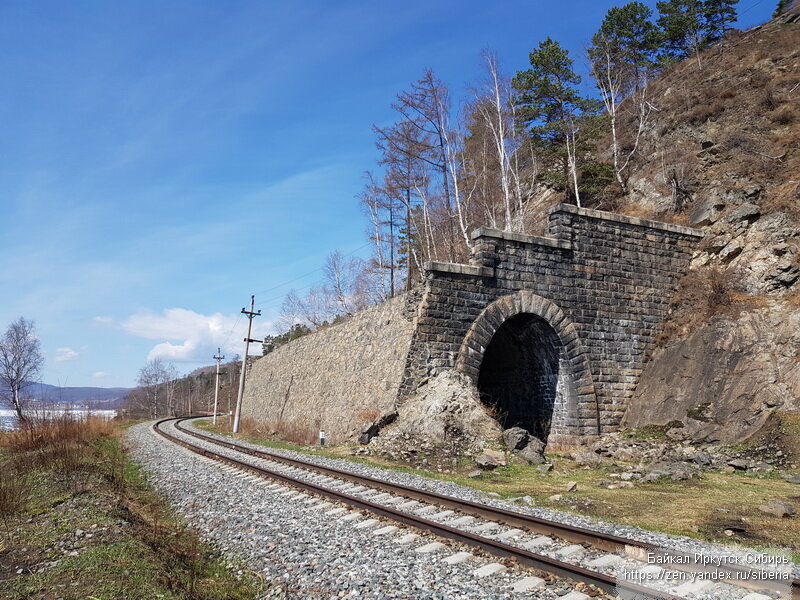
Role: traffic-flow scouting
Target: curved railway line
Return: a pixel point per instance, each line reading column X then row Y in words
column 395, row 501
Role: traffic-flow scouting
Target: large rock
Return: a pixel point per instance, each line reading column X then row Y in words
column 777, row 508
column 516, row 438
column 725, row 378
column 532, row 454
column 445, row 420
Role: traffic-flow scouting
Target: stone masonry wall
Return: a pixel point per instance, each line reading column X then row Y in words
column 600, row 282
column 336, row 378
column 611, row 275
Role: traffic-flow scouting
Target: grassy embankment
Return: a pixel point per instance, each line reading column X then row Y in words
column 720, row 507
column 79, row 520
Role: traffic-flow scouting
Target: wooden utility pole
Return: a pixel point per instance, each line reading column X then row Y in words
column 218, row 357
column 250, row 316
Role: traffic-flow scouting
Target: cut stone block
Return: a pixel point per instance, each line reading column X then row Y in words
column 575, row 595
column 490, row 569
column 351, row 517
column 441, row 515
column 571, row 551
column 527, row 584
column 458, row 558
column 693, row 587
column 607, row 561
column 429, row 548
column 538, row 542
column 407, row 538
column 367, row 523
column 461, row 521
column 509, row 534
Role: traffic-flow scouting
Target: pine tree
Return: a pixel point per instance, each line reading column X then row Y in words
column 628, row 33
column 688, row 26
column 550, row 105
column 681, row 29
column 718, row 16
column 783, row 6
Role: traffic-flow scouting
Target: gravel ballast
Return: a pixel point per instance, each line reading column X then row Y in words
column 308, row 551
column 657, row 539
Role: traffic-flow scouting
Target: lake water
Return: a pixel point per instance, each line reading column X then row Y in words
column 8, row 418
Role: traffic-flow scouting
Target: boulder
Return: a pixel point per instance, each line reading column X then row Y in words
column 739, row 464
column 516, row 438
column 444, row 420
column 546, row 468
column 664, row 470
column 491, row 459
column 487, row 462
column 572, row 486
column 587, row 457
column 530, row 455
column 777, row 508
column 746, row 212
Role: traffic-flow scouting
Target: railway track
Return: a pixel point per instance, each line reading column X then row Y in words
column 610, row 563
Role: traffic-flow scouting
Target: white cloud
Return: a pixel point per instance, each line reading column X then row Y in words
column 65, row 354
column 99, row 374
column 191, row 337
column 104, row 320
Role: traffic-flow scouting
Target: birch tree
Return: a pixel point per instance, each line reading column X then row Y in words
column 620, row 57
column 21, row 362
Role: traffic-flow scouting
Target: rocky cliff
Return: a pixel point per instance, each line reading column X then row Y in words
column 722, row 153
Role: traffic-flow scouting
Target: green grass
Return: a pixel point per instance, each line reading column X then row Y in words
column 138, row 548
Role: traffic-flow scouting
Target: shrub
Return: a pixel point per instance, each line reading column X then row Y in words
column 784, row 116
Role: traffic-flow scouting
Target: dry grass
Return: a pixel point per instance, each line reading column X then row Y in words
column 138, row 548
column 784, row 116
column 704, row 293
column 287, row 431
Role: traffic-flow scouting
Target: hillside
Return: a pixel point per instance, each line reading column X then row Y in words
column 77, row 396
column 722, row 153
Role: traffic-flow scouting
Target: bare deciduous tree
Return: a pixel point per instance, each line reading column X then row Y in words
column 21, row 361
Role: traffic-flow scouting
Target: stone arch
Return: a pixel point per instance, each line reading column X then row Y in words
column 577, row 413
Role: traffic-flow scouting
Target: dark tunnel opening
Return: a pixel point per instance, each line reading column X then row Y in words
column 520, row 374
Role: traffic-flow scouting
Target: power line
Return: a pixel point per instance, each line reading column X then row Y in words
column 280, row 285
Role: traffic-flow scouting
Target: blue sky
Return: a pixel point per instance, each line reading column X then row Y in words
column 161, row 161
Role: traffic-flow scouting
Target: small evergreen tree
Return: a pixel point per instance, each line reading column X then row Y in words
column 718, row 16
column 681, row 29
column 550, row 105
column 783, row 6
column 688, row 26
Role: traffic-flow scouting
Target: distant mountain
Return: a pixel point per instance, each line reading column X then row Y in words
column 77, row 396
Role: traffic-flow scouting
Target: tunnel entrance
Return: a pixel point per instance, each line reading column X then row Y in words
column 523, row 376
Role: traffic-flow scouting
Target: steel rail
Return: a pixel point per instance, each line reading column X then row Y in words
column 744, row 577
column 497, row 548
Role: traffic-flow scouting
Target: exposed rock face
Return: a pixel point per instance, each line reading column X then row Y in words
column 445, row 420
column 724, row 380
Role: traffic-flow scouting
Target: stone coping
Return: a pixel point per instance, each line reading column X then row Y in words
column 458, row 269
column 521, row 237
column 609, row 216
